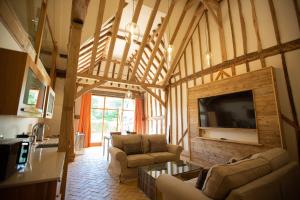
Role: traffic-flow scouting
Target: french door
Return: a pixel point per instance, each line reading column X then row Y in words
column 109, row 114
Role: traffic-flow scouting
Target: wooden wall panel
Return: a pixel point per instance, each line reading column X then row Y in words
column 261, row 82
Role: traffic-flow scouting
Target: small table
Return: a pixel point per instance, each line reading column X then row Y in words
column 147, row 175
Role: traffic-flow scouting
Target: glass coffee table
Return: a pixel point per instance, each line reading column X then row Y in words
column 147, row 175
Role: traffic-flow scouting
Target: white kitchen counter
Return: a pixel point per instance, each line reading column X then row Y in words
column 44, row 165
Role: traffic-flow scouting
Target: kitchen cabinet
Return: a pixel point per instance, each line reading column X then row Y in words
column 23, row 85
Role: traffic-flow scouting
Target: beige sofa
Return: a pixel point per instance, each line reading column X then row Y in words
column 268, row 175
column 125, row 166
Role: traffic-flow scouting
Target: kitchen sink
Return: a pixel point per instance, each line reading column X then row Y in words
column 46, row 145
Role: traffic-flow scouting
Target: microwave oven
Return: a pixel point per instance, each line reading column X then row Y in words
column 12, row 153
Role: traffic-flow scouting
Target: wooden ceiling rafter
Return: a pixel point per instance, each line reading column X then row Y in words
column 160, row 67
column 145, row 38
column 153, row 94
column 189, row 33
column 213, row 6
column 113, row 38
column 159, row 38
column 127, row 46
column 97, row 34
column 148, row 46
column 187, row 6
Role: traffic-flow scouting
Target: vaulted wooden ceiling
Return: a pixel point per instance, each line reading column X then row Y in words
column 144, row 65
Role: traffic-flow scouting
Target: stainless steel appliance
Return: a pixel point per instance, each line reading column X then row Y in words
column 12, row 153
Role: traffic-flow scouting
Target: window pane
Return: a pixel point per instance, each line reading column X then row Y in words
column 128, row 121
column 129, row 104
column 97, row 102
column 96, row 125
column 110, row 121
column 113, row 103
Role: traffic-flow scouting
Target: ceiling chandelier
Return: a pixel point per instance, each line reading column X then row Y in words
column 132, row 30
column 169, row 49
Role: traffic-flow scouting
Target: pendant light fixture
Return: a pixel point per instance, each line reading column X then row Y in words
column 169, row 49
column 207, row 53
column 128, row 95
column 132, row 30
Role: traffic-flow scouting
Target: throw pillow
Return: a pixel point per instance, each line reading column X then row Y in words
column 132, row 148
column 233, row 160
column 158, row 146
column 201, row 178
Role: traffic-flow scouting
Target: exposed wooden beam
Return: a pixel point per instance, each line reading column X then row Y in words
column 97, row 33
column 129, row 82
column 232, row 36
column 244, row 35
column 212, row 6
column 271, row 51
column 127, row 46
column 158, row 98
column 40, row 29
column 221, row 32
column 66, row 137
column 115, row 29
column 187, row 6
column 158, row 39
column 254, row 19
column 88, row 88
column 145, row 38
column 286, row 74
column 189, row 33
column 160, row 66
column 51, row 32
column 53, row 67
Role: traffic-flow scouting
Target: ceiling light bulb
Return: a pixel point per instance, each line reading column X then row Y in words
column 169, row 53
column 128, row 95
column 132, row 32
column 208, row 55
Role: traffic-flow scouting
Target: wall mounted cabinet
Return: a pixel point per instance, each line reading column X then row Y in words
column 23, row 85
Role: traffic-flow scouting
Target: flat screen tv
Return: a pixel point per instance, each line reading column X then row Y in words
column 234, row 110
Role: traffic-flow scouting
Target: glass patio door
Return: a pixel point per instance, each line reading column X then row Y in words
column 110, row 114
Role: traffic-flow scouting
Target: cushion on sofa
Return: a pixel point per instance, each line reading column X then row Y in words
column 119, row 140
column 146, row 138
column 160, row 157
column 276, row 157
column 132, row 148
column 221, row 179
column 138, row 160
column 158, row 145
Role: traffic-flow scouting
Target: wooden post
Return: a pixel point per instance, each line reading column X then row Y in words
column 66, row 137
column 166, row 109
column 232, row 37
column 40, row 30
column 259, row 45
column 244, row 36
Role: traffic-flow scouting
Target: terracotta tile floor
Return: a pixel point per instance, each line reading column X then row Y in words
column 88, row 179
